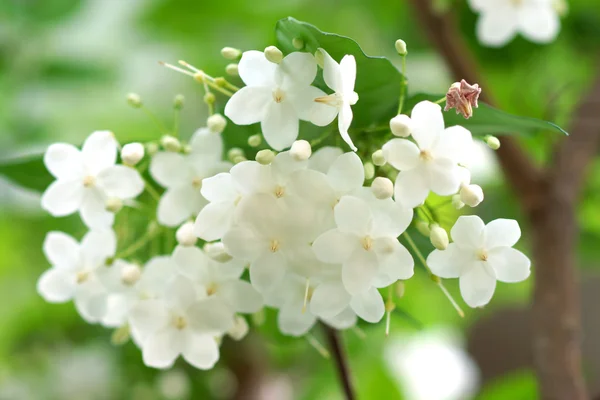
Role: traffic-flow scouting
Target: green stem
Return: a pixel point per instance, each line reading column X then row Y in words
column 403, row 87
column 161, row 127
column 152, row 191
column 176, row 123
column 440, row 101
column 135, row 246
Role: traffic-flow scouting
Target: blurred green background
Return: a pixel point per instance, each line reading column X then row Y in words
column 65, row 68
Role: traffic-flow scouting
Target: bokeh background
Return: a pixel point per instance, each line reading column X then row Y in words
column 65, row 68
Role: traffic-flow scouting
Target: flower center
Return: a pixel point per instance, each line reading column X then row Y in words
column 333, row 100
column 197, row 182
column 516, row 3
column 367, row 243
column 425, row 155
column 482, row 255
column 82, row 276
column 180, row 322
column 279, row 191
column 89, row 181
column 211, row 289
column 274, row 246
column 278, row 95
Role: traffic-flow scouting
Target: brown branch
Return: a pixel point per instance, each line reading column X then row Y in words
column 341, row 362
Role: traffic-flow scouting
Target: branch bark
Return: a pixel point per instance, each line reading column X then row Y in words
column 548, row 197
column 341, row 361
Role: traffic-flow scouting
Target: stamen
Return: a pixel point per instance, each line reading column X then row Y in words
column 89, row 181
column 279, row 191
column 191, row 67
column 452, row 301
column 82, row 276
column 174, row 68
column 388, row 318
column 306, row 290
column 367, row 243
column 180, row 322
column 274, row 245
column 317, row 345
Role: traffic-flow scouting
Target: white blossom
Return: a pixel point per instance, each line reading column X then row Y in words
column 480, row 255
column 86, row 179
column 501, row 20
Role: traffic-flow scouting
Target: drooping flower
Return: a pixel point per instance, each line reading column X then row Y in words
column 480, row 255
column 432, row 163
column 340, row 78
column 182, row 175
column 87, row 179
column 74, row 271
column 463, row 97
column 278, row 96
column 501, row 20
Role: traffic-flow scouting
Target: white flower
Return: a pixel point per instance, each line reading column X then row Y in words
column 278, row 96
column 86, row 179
column 184, row 322
column 73, row 275
column 480, row 255
column 340, row 78
column 431, row 164
column 501, row 20
column 365, row 243
column 182, row 177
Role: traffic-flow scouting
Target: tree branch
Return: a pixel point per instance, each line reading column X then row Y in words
column 341, row 361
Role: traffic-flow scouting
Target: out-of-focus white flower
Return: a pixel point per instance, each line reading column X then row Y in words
column 73, row 275
column 86, row 179
column 240, row 328
column 174, row 385
column 501, row 20
column 185, row 234
column 432, row 163
column 480, row 255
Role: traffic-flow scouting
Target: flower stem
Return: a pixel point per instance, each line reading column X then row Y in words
column 341, row 361
column 403, row 87
column 152, row 191
column 161, row 127
column 136, row 246
column 440, row 101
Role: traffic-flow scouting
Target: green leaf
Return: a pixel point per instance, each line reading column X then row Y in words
column 28, row 172
column 378, row 82
column 487, row 120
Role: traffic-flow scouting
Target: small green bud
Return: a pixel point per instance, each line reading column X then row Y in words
column 239, row 159
column 369, row 170
column 298, row 43
column 199, row 77
column 152, row 148
column 170, row 143
column 232, row 69
column 209, row 98
column 423, row 228
column 235, row 152
column 186, row 149
column 265, row 157
column 255, row 140
column 493, row 142
column 134, row 100
column 378, row 158
column 401, row 47
column 113, row 205
column 216, row 123
column 178, row 102
column 120, row 336
column 273, row 54
column 231, row 53
column 435, row 278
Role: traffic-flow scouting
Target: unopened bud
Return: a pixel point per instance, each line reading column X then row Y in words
column 471, row 195
column 113, row 204
column 217, row 252
column 209, row 98
column 185, row 235
column 300, row 150
column 239, row 330
column 170, row 143
column 234, row 152
column 120, row 336
column 401, row 47
column 199, row 77
column 255, row 140
column 378, row 158
column 239, row 159
column 438, row 237
column 230, row 53
column 273, row 54
column 259, row 317
column 216, row 123
column 320, row 58
column 186, row 149
column 130, row 274
column 220, row 81
column 231, row 69
column 369, row 170
column 561, row 7
column 493, row 142
column 265, row 157
column 152, row 148
column 400, row 125
column 457, row 202
column 178, row 102
column 132, row 153
column 134, row 100
column 382, row 188
column 423, row 228
column 298, row 43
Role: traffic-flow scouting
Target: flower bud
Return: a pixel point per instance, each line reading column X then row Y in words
column 457, row 202
column 170, row 143
column 265, row 157
column 493, row 142
column 132, row 153
column 178, row 102
column 199, row 77
column 239, row 159
column 151, row 148
column 300, row 150
column 234, row 152
column 320, row 58
column 120, row 336
column 186, row 149
column 382, row 188
column 130, row 274
column 217, row 252
column 438, row 237
column 113, row 204
column 471, row 195
column 273, row 54
column 216, row 123
column 209, row 98
column 298, row 43
column 423, row 228
column 255, row 140
column 401, row 47
column 239, row 329
column 232, row 69
column 220, row 81
column 369, row 170
column 230, row 53
column 378, row 158
column 185, row 235
column 400, row 125
column 134, row 100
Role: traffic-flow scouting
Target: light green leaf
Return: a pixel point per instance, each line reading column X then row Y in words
column 28, row 172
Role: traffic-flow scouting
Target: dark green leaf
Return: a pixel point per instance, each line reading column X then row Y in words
column 487, row 120
column 28, row 172
column 378, row 82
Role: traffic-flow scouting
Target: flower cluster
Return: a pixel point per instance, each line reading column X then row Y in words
column 318, row 234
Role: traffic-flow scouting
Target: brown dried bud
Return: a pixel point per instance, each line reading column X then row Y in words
column 463, row 97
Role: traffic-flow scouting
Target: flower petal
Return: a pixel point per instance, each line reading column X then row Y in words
column 332, row 73
column 359, row 271
column 162, row 349
column 368, row 305
column 538, row 22
column 204, row 143
column 292, row 321
column 308, row 109
column 63, row 198
column 497, row 27
column 352, row 215
column 448, row 263
column 121, row 182
column 99, row 151
column 249, row 105
column 502, row 233
column 240, row 296
column 443, row 176
column 329, row 299
column 509, row 264
column 344, row 122
column 56, row 285
column 348, row 72
column 280, row 125
column 427, row 124
column 91, row 302
column 397, row 264
column 201, row 351
column 64, row 161
column 347, row 173
column 191, row 262
column 214, row 221
column 170, row 169
column 219, row 188
column 334, row 247
column 299, row 69
column 390, row 218
column 251, row 177
column 178, row 204
column 98, row 245
column 148, row 316
column 242, row 243
column 456, row 144
column 477, row 285
column 256, row 70
column 468, row 232
column 322, row 159
column 61, row 250
column 312, row 186
column 267, row 271
column 93, row 210
column 401, row 154
column 211, row 316
column 411, row 188
column 343, row 320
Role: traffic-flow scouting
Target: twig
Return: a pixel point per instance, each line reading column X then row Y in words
column 341, row 362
